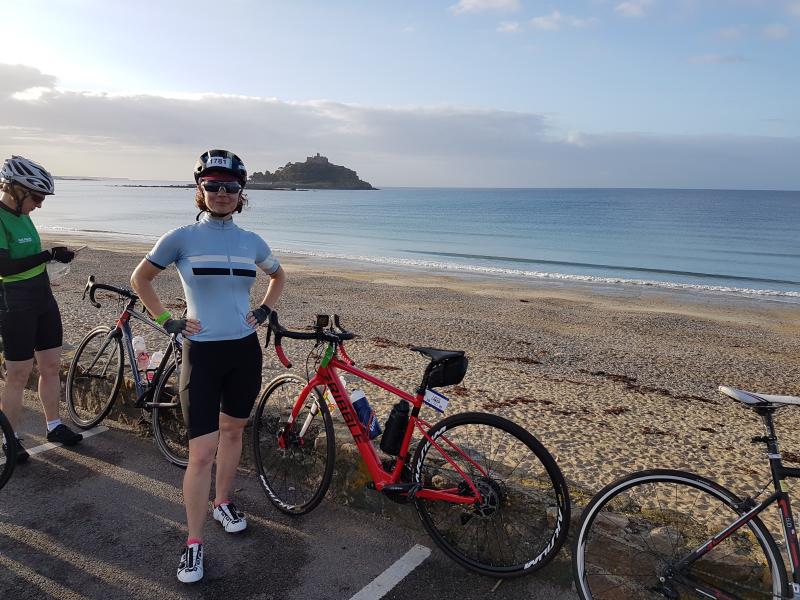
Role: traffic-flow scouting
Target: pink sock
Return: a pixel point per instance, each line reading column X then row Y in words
column 191, row 541
column 226, row 501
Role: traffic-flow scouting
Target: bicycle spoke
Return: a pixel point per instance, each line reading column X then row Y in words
column 169, row 427
column 295, row 473
column 642, row 531
column 511, row 525
column 94, row 377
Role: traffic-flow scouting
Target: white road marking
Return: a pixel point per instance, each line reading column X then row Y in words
column 51, row 445
column 384, row 582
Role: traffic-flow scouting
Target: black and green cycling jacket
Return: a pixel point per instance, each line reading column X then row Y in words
column 21, row 256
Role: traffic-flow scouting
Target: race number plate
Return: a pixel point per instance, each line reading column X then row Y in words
column 435, row 400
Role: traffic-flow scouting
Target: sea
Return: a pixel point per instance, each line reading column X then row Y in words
column 732, row 242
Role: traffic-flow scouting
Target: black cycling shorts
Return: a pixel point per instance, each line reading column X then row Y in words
column 29, row 318
column 223, row 376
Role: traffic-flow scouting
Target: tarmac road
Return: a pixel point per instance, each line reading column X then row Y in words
column 104, row 520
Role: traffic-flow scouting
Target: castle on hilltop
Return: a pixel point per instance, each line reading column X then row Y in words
column 322, row 160
column 316, row 173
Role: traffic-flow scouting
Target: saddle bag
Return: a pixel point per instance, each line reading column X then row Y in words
column 450, row 371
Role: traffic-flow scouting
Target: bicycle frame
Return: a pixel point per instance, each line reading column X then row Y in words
column 328, row 375
column 779, row 473
column 123, row 329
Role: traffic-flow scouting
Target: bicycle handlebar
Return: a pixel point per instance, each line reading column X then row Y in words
column 335, row 334
column 92, row 286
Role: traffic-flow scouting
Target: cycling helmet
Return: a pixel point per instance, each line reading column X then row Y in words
column 221, row 161
column 27, row 173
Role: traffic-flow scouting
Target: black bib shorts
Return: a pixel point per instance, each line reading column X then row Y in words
column 220, row 376
column 29, row 318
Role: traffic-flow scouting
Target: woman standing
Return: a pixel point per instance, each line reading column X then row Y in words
column 30, row 321
column 221, row 370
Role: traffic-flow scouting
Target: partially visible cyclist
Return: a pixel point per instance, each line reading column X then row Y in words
column 30, row 321
column 221, row 370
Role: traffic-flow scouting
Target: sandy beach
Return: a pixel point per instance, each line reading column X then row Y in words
column 609, row 379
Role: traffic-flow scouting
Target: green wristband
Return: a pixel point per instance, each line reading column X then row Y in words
column 163, row 317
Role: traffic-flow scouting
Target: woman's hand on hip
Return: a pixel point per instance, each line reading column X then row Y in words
column 258, row 315
column 187, row 327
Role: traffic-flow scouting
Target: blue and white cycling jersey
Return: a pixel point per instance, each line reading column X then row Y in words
column 217, row 264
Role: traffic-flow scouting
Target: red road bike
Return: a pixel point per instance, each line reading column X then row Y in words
column 487, row 491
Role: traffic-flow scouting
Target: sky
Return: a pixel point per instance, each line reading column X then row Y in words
column 459, row 93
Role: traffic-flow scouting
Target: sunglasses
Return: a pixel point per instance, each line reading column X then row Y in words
column 37, row 198
column 231, row 187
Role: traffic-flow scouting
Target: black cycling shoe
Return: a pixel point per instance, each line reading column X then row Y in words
column 22, row 454
column 64, row 435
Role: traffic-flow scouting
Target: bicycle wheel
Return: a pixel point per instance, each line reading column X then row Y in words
column 94, row 377
column 8, row 450
column 169, row 426
column 635, row 531
column 523, row 517
column 294, row 467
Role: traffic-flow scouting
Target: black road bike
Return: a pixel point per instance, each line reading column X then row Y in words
column 673, row 534
column 102, row 360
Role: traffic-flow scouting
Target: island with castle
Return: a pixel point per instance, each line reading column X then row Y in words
column 317, row 172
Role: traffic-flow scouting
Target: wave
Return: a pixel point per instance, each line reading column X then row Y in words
column 606, row 267
column 520, row 273
column 503, row 271
column 105, row 233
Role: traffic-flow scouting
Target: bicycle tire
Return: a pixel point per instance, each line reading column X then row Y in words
column 8, row 452
column 169, row 426
column 84, row 408
column 523, row 519
column 296, row 477
column 639, row 529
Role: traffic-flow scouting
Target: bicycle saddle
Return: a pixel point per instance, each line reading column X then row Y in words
column 436, row 354
column 757, row 399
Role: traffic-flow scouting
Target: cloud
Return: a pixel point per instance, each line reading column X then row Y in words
column 157, row 137
column 717, row 59
column 555, row 21
column 776, row 31
column 20, row 78
column 509, row 27
column 476, row 6
column 793, row 8
column 731, row 33
column 633, row 8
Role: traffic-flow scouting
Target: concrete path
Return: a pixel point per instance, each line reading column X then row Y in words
column 105, row 520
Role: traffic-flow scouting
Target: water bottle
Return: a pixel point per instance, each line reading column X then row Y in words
column 365, row 413
column 395, row 428
column 141, row 353
column 155, row 360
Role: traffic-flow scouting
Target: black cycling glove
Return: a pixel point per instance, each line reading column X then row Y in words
column 62, row 254
column 261, row 313
column 174, row 325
